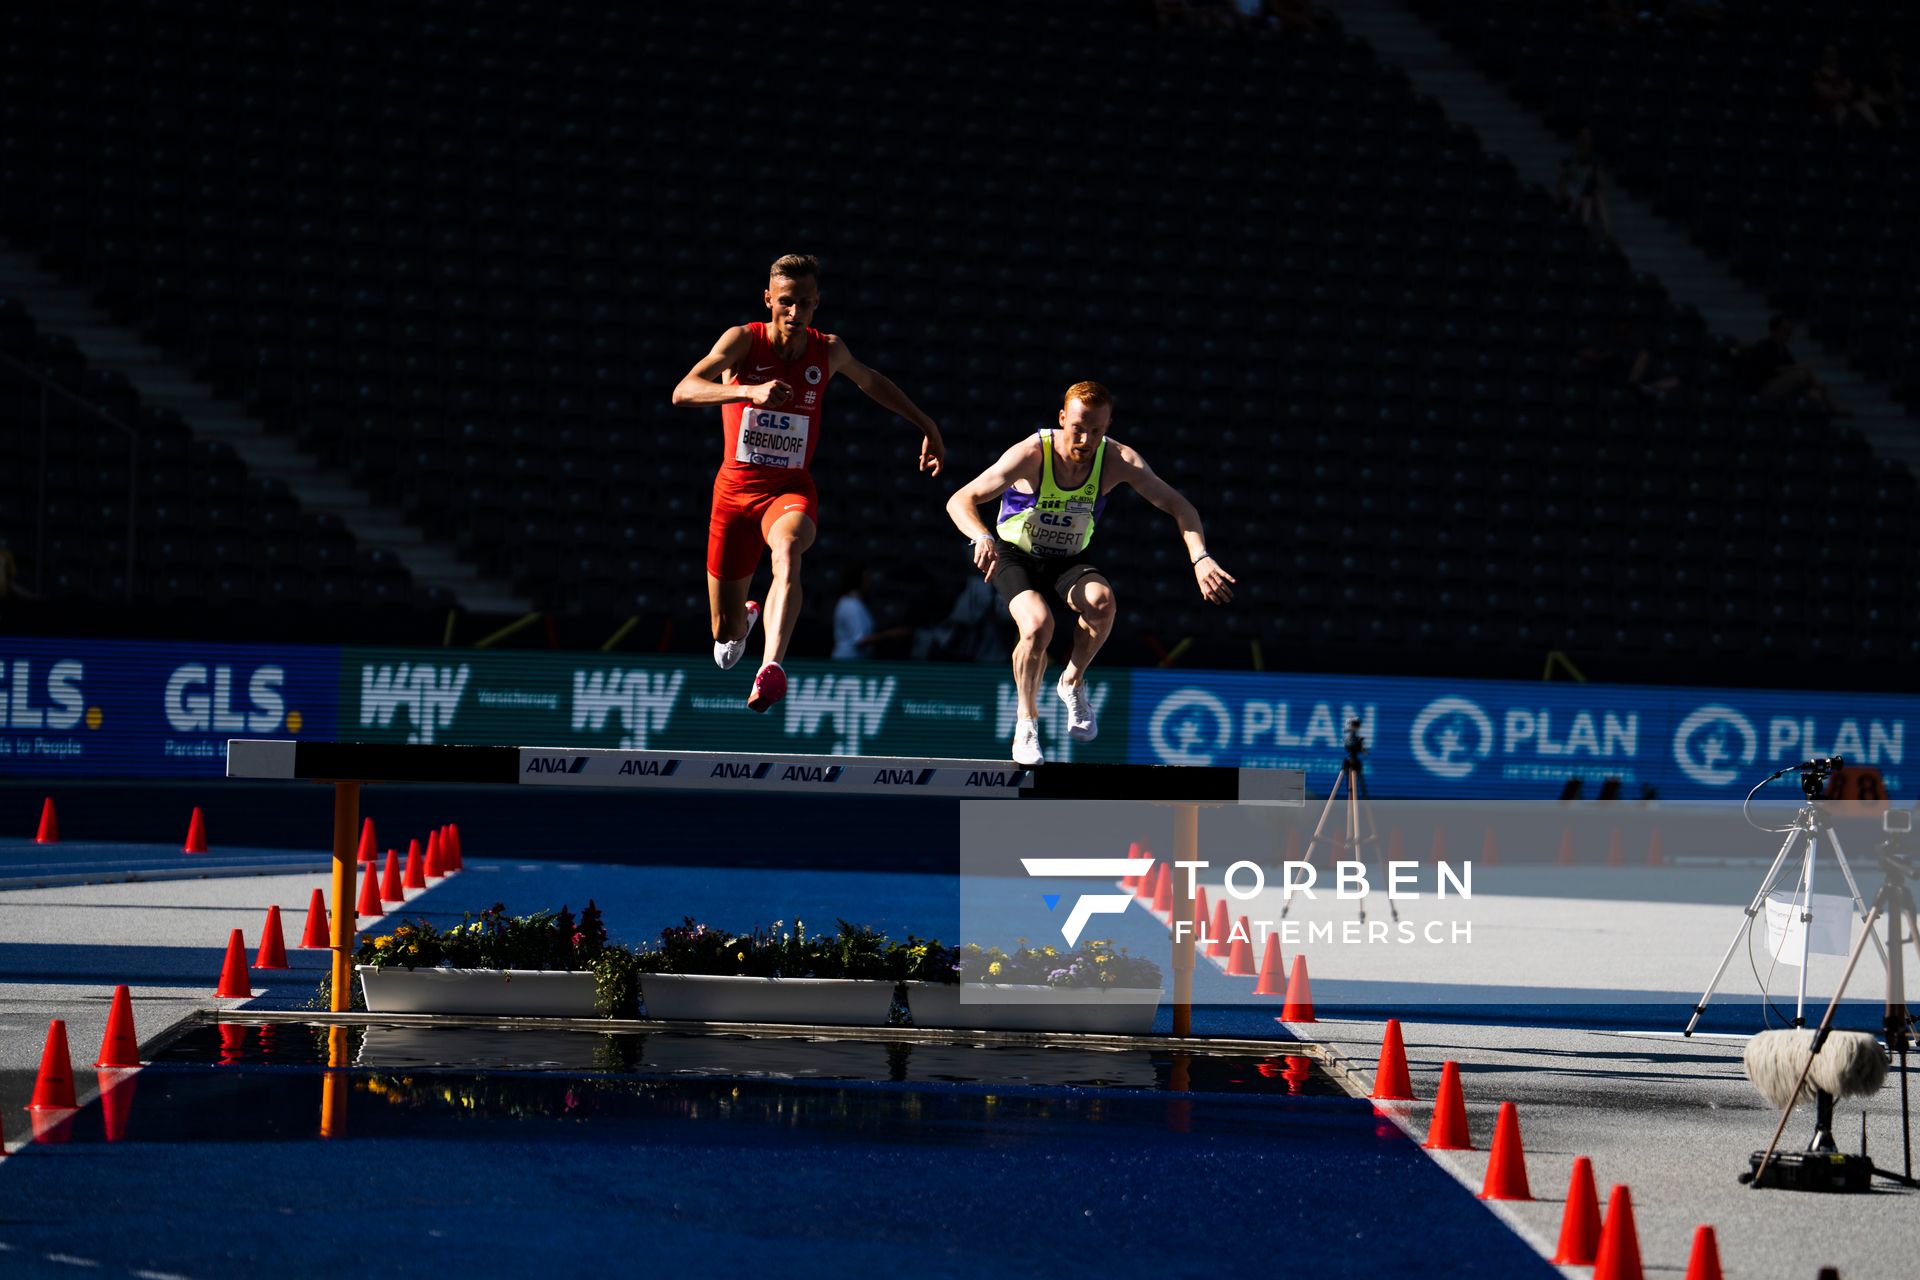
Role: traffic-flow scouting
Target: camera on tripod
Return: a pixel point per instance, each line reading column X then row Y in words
column 1356, row 741
column 1816, row 774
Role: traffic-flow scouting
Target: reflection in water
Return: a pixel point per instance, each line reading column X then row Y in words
column 269, row 1080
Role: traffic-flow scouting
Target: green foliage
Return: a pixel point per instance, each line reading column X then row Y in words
column 773, row 951
column 493, row 940
column 1091, row 964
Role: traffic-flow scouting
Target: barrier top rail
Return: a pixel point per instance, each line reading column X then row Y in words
column 749, row 773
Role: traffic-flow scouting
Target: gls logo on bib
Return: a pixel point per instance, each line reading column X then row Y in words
column 769, row 438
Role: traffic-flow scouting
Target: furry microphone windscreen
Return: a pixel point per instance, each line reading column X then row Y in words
column 1851, row 1064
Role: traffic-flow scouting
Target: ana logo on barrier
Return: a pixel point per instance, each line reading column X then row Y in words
column 1448, row 735
column 1087, row 905
column 1702, row 745
column 556, row 764
column 1190, row 726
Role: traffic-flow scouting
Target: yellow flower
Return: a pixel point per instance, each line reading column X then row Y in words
column 993, row 970
column 740, row 956
column 413, row 948
column 382, row 943
column 1051, row 952
column 404, row 930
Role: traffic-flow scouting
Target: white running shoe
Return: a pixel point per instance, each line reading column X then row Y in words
column 728, row 652
column 1082, row 726
column 1026, row 742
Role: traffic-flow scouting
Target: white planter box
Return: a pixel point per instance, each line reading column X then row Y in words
column 694, row 997
column 988, row 1007
column 527, row 993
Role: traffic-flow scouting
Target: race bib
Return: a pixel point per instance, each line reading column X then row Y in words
column 772, row 438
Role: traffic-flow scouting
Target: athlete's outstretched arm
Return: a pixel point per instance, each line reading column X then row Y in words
column 1215, row 583
column 1019, row 462
column 880, row 389
column 703, row 386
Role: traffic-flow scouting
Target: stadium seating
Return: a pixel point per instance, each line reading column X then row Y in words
column 466, row 249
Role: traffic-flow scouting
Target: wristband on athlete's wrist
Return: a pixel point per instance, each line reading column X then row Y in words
column 979, row 538
column 1204, row 555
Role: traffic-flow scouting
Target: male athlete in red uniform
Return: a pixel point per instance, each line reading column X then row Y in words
column 770, row 380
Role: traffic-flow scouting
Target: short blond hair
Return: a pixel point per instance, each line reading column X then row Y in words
column 795, row 266
column 1090, row 394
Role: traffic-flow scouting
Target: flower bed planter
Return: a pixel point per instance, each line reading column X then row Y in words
column 692, row 997
column 989, row 1007
column 530, row 993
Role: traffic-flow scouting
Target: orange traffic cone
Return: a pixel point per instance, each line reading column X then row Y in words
column 431, row 862
column 368, row 848
column 1447, row 1130
column 1616, row 850
column 367, row 906
column 1201, row 917
column 1566, row 858
column 273, row 943
column 196, row 833
column 1299, row 1005
column 1217, row 945
column 1619, row 1256
column 233, row 974
column 415, row 877
column 1490, row 850
column 53, row 1087
column 49, row 824
column 1390, row 1080
column 1656, row 856
column 1271, row 965
column 119, row 1047
column 1129, row 882
column 1703, row 1262
column 453, row 837
column 1240, row 953
column 316, row 933
column 1439, row 845
column 390, row 890
column 1507, row 1171
column 1163, row 892
column 1143, row 887
column 1580, row 1221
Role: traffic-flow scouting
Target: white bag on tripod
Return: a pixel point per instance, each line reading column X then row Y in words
column 1832, row 926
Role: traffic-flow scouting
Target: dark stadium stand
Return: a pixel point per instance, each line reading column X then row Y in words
column 466, row 249
column 1717, row 129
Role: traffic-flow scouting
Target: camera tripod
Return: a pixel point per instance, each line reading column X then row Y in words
column 1359, row 832
column 1809, row 824
column 1895, row 901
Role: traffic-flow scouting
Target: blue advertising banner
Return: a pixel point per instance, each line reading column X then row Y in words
column 1501, row 739
column 114, row 708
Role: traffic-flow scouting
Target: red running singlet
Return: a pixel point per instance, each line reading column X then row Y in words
column 764, row 471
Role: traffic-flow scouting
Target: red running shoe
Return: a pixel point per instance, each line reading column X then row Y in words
column 768, row 687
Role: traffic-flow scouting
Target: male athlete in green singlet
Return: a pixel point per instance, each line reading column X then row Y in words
column 1052, row 486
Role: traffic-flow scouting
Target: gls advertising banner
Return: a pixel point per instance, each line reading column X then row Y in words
column 93, row 707
column 680, row 703
column 1496, row 739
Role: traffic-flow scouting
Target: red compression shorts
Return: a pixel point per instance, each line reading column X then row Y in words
column 737, row 529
